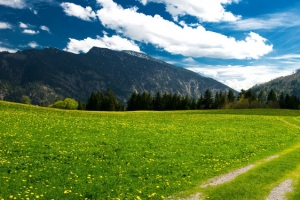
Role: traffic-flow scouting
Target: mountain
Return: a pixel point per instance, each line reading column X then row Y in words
column 287, row 84
column 51, row 73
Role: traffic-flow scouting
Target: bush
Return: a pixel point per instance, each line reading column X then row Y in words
column 25, row 99
column 67, row 103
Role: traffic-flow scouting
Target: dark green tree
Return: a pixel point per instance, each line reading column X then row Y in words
column 92, row 103
column 99, row 100
column 131, row 104
column 146, row 101
column 176, row 99
column 200, row 102
column 282, row 101
column 193, row 104
column 272, row 96
column 261, row 97
column 81, row 105
column 208, row 101
column 230, row 96
column 158, row 102
column 109, row 102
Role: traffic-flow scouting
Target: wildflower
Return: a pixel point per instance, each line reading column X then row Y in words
column 67, row 191
column 152, row 195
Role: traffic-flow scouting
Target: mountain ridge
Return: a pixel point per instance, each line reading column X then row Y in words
column 50, row 73
column 289, row 84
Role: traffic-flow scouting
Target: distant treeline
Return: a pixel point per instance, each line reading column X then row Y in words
column 220, row 100
column 164, row 101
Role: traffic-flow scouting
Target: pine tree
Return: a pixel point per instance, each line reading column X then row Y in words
column 230, row 96
column 208, row 101
column 157, row 102
column 176, row 99
column 272, row 96
column 92, row 102
column 109, row 101
column 131, row 104
column 200, row 102
column 261, row 97
column 282, row 101
column 99, row 100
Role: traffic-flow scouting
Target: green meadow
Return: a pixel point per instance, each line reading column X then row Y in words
column 57, row 154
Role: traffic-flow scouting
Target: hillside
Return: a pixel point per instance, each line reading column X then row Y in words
column 50, row 73
column 287, row 84
column 58, row 154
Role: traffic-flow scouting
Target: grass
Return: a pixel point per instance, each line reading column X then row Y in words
column 57, row 154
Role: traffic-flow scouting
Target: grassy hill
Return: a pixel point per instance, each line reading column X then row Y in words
column 56, row 154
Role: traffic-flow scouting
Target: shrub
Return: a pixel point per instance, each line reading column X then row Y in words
column 67, row 103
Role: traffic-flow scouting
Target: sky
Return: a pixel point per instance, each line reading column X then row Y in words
column 240, row 43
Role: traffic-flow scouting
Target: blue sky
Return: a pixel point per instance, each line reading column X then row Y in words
column 237, row 42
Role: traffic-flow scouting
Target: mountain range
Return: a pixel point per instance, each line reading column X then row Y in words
column 49, row 74
column 286, row 84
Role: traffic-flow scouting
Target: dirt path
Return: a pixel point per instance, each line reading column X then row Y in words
column 226, row 177
column 278, row 193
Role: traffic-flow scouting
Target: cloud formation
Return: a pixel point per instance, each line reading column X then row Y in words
column 45, row 28
column 30, row 32
column 115, row 43
column 204, row 10
column 268, row 21
column 19, row 4
column 8, row 49
column 5, row 25
column 23, row 25
column 243, row 77
column 187, row 41
column 78, row 11
column 33, row 44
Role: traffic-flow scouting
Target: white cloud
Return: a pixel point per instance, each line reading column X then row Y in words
column 243, row 77
column 115, row 43
column 8, row 49
column 5, row 25
column 189, row 60
column 204, row 10
column 74, row 10
column 286, row 57
column 45, row 28
column 13, row 3
column 187, row 41
column 33, row 44
column 30, row 32
column 23, row 25
column 34, row 11
column 268, row 21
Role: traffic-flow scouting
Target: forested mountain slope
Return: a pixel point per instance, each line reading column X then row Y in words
column 50, row 73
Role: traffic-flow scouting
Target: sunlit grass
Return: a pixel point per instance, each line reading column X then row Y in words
column 56, row 154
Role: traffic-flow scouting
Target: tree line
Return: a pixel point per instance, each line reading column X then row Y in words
column 246, row 99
